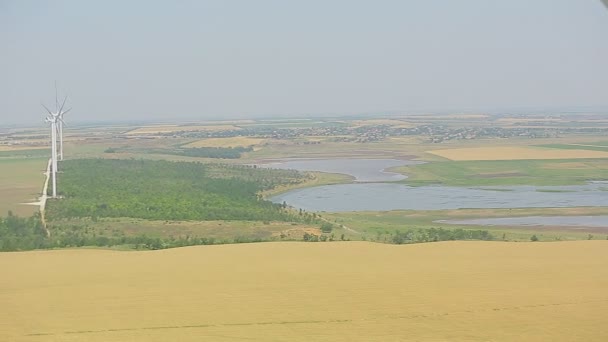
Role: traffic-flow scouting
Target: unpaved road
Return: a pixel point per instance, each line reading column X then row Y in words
column 44, row 197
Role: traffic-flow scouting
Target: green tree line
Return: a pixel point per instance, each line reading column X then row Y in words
column 163, row 190
column 439, row 234
column 19, row 233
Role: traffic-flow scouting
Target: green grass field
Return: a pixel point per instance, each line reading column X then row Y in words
column 595, row 146
column 316, row 179
column 37, row 153
column 220, row 231
column 506, row 172
column 381, row 226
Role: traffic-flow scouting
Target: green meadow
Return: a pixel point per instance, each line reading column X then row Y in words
column 506, row 172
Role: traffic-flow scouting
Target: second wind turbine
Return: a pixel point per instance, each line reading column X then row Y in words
column 56, row 120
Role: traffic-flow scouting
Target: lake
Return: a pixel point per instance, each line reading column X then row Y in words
column 391, row 196
column 363, row 170
column 386, row 196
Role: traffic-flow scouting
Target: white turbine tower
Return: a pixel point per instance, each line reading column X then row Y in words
column 56, row 121
column 60, row 114
column 52, row 119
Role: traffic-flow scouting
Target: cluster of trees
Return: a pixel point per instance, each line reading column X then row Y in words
column 21, row 234
column 327, row 227
column 162, row 190
column 18, row 233
column 439, row 234
column 322, row 238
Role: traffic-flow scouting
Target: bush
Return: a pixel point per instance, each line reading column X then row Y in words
column 327, row 227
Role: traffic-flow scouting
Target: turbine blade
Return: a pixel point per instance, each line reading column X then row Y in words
column 69, row 109
column 56, row 97
column 62, row 122
column 48, row 110
column 63, row 104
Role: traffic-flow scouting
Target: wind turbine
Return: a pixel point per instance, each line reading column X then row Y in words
column 60, row 113
column 52, row 119
column 56, row 120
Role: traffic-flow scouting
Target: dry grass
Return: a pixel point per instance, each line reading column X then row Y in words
column 218, row 230
column 524, row 120
column 4, row 148
column 21, row 181
column 298, row 233
column 457, row 291
column 226, row 142
column 377, row 122
column 515, row 153
column 448, row 117
column 176, row 128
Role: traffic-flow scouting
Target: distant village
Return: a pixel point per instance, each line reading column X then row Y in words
column 435, row 133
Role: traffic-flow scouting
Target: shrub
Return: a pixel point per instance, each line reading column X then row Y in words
column 327, row 227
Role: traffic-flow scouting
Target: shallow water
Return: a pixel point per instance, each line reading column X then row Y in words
column 559, row 221
column 371, row 196
column 386, row 196
column 363, row 170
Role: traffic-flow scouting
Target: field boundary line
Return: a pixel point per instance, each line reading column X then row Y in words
column 336, row 321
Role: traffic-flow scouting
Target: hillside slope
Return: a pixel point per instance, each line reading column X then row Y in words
column 350, row 291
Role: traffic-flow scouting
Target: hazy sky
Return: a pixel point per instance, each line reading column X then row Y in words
column 134, row 60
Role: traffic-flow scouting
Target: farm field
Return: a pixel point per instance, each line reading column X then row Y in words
column 408, row 146
column 178, row 128
column 594, row 146
column 21, row 181
column 506, row 172
column 516, row 153
column 226, row 142
column 347, row 291
column 387, row 122
column 4, row 148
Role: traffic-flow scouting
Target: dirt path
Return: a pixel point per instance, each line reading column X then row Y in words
column 44, row 197
column 341, row 226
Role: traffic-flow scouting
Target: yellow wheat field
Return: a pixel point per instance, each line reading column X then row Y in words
column 351, row 291
column 4, row 148
column 515, row 153
column 448, row 117
column 524, row 120
column 226, row 142
column 376, row 122
column 176, row 128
